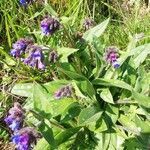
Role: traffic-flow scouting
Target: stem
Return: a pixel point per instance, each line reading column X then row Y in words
column 56, row 124
column 68, row 35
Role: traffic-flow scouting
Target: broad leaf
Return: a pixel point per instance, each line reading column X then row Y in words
column 106, row 96
column 141, row 99
column 71, row 112
column 42, row 144
column 64, row 52
column 41, row 100
column 59, row 106
column 47, row 133
column 140, row 53
column 111, row 82
column 143, row 125
column 112, row 113
column 88, row 115
column 53, row 86
column 23, row 89
column 95, row 31
column 129, row 125
column 65, row 135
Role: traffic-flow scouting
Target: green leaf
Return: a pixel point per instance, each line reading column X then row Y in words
column 53, row 86
column 36, row 14
column 42, row 144
column 45, row 103
column 106, row 96
column 88, row 115
column 86, row 85
column 47, row 134
column 65, row 52
column 77, row 90
column 111, row 82
column 101, row 125
column 128, row 124
column 140, row 53
column 132, row 44
column 23, row 89
column 71, row 112
column 97, row 31
column 112, row 112
column 41, row 99
column 59, row 106
column 141, row 99
column 7, row 29
column 106, row 140
column 137, row 51
column 65, row 135
column 50, row 10
column 143, row 125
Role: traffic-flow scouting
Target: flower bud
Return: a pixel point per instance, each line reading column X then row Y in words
column 65, row 91
column 111, row 56
column 49, row 25
column 88, row 23
column 53, row 56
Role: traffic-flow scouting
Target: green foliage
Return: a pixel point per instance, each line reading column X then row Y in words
column 109, row 108
column 96, row 31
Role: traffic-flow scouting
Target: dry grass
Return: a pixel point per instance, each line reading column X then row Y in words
column 6, row 146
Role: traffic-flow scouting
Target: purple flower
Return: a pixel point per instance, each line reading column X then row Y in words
column 53, row 56
column 35, row 57
column 65, row 91
column 22, row 141
column 111, row 56
column 15, row 118
column 88, row 23
column 49, row 25
column 20, row 46
column 25, row 2
column 24, row 138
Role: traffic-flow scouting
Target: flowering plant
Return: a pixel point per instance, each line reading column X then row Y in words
column 79, row 91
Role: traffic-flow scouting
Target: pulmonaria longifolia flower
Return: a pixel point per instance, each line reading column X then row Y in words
column 15, row 117
column 35, row 57
column 65, row 91
column 20, row 46
column 24, row 138
column 49, row 25
column 25, row 2
column 88, row 23
column 53, row 56
column 112, row 55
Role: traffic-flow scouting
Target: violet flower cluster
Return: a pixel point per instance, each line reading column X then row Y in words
column 35, row 57
column 29, row 53
column 20, row 46
column 112, row 55
column 22, row 137
column 49, row 25
column 14, row 120
column 88, row 23
column 65, row 91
